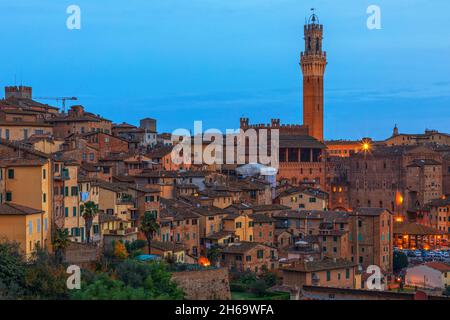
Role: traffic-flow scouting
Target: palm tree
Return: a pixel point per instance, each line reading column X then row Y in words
column 149, row 226
column 60, row 243
column 88, row 211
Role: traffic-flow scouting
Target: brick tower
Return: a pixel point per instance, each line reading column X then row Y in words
column 313, row 61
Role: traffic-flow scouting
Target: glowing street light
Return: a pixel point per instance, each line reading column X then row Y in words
column 366, row 145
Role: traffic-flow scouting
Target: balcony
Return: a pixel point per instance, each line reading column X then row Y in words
column 125, row 200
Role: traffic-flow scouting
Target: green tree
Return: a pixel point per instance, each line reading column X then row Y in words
column 149, row 226
column 400, row 261
column 213, row 254
column 36, row 278
column 88, row 211
column 45, row 279
column 258, row 287
column 12, row 271
column 106, row 288
column 133, row 280
column 60, row 243
column 270, row 278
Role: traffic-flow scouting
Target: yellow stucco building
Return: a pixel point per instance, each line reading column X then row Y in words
column 26, row 199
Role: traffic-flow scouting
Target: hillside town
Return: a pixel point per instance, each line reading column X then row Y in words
column 331, row 218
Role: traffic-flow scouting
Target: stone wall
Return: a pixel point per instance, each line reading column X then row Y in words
column 208, row 284
column 81, row 253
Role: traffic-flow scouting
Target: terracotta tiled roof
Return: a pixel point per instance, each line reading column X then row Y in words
column 240, row 247
column 415, row 229
column 21, row 162
column 167, row 246
column 321, row 265
column 15, row 209
column 269, row 207
column 208, row 211
column 160, row 152
column 219, row 235
column 261, row 218
column 300, row 141
column 309, row 191
column 443, row 267
column 363, row 211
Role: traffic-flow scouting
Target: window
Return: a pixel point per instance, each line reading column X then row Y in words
column 56, row 167
column 248, row 258
column 328, row 275
column 91, row 156
column 66, row 212
column 30, row 227
column 66, row 192
column 74, row 191
column 238, row 225
column 260, row 254
column 7, row 134
column 8, row 196
column 312, row 200
column 10, row 173
column 74, row 211
column 38, row 225
column 44, row 174
column 347, row 273
column 44, row 197
column 45, row 224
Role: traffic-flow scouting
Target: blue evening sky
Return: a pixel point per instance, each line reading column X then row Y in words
column 217, row 60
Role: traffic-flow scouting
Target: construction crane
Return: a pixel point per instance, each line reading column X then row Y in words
column 62, row 99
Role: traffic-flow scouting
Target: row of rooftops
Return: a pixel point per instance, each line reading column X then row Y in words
column 305, row 190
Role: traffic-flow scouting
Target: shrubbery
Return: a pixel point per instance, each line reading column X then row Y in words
column 40, row 277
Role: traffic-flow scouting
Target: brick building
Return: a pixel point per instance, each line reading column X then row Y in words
column 78, row 121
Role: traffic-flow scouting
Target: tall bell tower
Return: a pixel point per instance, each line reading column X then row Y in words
column 313, row 62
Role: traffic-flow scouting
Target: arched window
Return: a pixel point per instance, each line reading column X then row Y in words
column 317, row 44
